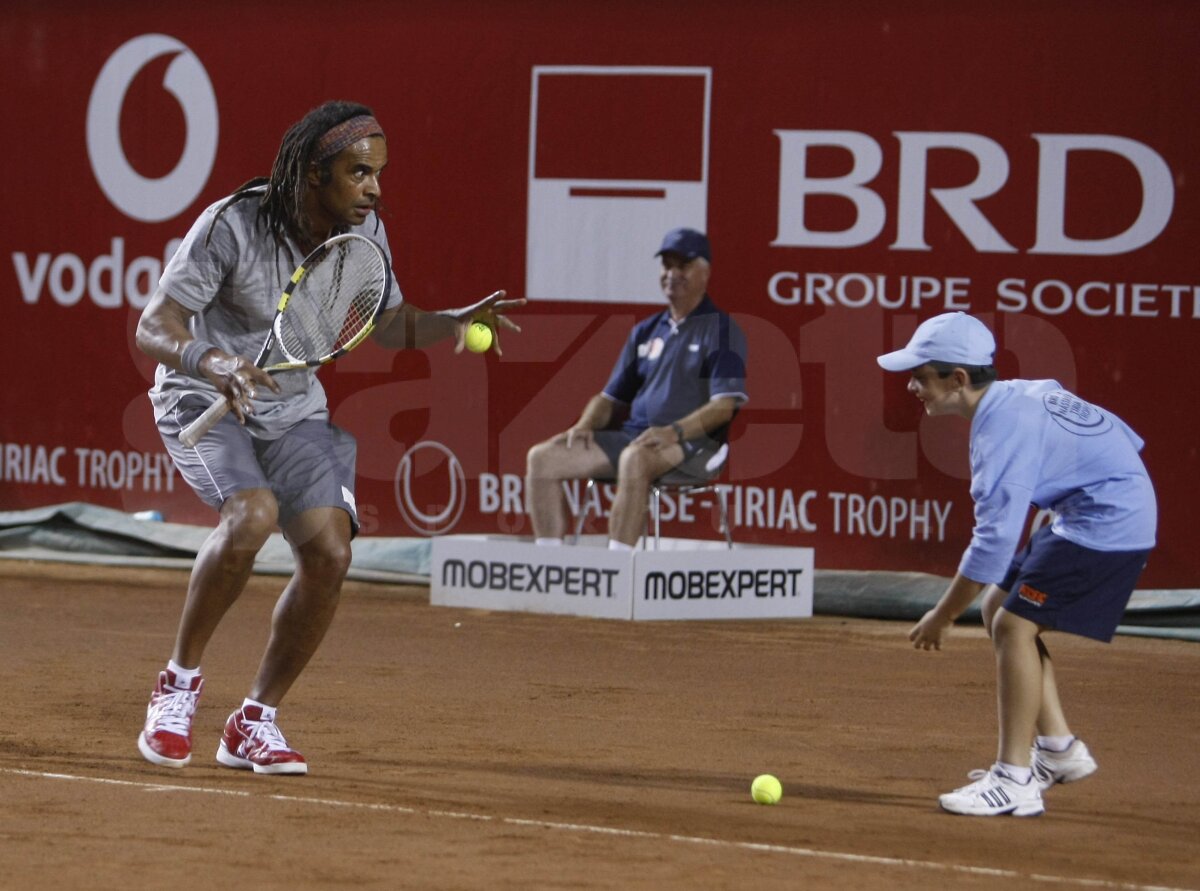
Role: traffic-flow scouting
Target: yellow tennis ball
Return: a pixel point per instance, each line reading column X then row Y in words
column 766, row 789
column 479, row 337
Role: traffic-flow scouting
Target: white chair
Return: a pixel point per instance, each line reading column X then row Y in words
column 673, row 482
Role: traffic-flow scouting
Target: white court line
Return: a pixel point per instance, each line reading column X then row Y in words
column 613, row 831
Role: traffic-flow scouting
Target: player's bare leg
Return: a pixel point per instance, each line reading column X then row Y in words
column 218, row 578
column 547, row 465
column 1019, row 684
column 320, row 540
column 640, row 466
column 222, row 567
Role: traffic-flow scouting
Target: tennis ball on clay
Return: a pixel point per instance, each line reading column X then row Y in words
column 766, row 789
column 479, row 337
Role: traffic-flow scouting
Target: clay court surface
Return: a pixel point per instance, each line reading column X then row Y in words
column 467, row 749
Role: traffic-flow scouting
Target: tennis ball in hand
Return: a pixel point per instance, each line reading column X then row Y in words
column 766, row 789
column 479, row 337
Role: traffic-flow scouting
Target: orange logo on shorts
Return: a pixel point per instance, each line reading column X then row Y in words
column 1032, row 595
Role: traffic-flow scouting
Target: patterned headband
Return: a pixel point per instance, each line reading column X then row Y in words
column 346, row 133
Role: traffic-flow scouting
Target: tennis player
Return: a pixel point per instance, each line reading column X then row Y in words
column 276, row 461
column 1031, row 442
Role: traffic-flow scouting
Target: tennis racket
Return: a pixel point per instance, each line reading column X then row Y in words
column 329, row 307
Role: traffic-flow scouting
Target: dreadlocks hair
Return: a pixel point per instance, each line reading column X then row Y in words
column 281, row 195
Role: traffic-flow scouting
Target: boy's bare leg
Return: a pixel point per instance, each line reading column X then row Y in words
column 1020, row 684
column 1050, row 721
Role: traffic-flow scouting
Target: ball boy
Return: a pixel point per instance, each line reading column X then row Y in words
column 1031, row 442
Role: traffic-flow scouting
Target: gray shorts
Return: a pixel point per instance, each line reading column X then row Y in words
column 310, row 466
column 697, row 453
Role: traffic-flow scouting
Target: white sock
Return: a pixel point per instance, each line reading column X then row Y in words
column 268, row 711
column 548, row 542
column 1018, row 774
column 183, row 676
column 614, row 545
column 1055, row 743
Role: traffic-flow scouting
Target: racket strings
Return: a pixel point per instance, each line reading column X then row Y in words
column 334, row 303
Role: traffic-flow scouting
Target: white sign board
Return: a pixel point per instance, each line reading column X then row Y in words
column 498, row 574
column 704, row 582
column 747, row 583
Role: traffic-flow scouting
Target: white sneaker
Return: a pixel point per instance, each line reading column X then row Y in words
column 1062, row 767
column 993, row 794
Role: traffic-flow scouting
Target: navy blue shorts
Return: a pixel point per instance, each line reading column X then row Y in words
column 310, row 466
column 697, row 453
column 1061, row 585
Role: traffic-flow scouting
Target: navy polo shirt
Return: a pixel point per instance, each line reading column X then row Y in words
column 667, row 370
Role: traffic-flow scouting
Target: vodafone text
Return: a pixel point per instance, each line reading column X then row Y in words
column 757, row 507
column 109, row 281
column 85, row 468
column 1048, row 297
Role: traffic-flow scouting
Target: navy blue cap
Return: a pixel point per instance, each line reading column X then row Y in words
column 686, row 242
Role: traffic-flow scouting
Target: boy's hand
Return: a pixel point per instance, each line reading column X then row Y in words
column 927, row 634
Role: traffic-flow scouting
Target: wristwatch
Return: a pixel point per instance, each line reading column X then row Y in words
column 675, row 425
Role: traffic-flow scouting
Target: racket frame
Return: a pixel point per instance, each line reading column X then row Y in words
column 196, row 430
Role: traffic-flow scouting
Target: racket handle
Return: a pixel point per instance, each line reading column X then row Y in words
column 195, row 431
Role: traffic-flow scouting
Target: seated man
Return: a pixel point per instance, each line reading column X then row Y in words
column 678, row 383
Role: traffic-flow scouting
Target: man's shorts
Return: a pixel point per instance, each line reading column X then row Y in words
column 1061, row 585
column 310, row 466
column 697, row 453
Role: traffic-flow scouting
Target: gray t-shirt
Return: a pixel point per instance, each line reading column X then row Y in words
column 233, row 284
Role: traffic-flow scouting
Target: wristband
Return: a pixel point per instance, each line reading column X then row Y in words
column 678, row 431
column 193, row 352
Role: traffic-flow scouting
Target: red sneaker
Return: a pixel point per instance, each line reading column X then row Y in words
column 166, row 739
column 251, row 743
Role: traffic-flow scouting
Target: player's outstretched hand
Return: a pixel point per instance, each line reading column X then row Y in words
column 491, row 311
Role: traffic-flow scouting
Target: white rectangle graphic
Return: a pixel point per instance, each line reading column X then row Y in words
column 594, row 227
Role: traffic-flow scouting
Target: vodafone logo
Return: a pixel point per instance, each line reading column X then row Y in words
column 139, row 197
column 431, row 488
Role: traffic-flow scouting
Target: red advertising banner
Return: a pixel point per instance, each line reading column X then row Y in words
column 858, row 168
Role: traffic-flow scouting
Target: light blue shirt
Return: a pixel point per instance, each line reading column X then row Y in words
column 1032, row 442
